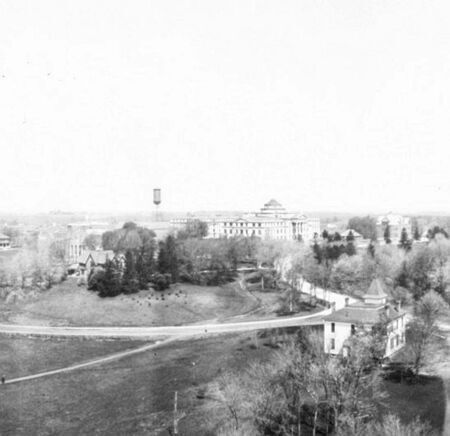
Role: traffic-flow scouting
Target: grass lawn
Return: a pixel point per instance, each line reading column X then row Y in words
column 425, row 399
column 134, row 395
column 129, row 396
column 22, row 356
column 68, row 304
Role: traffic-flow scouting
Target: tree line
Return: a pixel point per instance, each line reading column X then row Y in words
column 141, row 261
column 303, row 390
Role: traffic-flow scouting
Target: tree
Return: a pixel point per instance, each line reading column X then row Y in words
column 405, row 243
column 387, row 234
column 168, row 258
column 350, row 249
column 161, row 281
column 436, row 230
column 93, row 242
column 129, row 237
column 350, row 237
column 130, row 281
column 106, row 281
column 193, row 229
column 416, row 234
column 421, row 331
column 337, row 237
column 109, row 240
column 420, row 264
column 302, row 385
column 440, row 251
column 346, row 275
column 389, row 425
column 366, row 226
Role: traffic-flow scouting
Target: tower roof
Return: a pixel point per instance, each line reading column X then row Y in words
column 375, row 290
column 273, row 203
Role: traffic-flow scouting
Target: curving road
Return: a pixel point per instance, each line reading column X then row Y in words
column 164, row 331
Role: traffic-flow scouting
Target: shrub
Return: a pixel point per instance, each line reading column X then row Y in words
column 161, row 281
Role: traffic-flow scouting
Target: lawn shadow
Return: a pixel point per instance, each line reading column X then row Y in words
column 424, row 397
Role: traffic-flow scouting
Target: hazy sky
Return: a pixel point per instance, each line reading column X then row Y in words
column 324, row 105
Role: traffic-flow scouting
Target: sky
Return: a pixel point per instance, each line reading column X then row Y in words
column 323, row 105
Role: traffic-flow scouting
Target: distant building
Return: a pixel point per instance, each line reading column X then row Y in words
column 357, row 236
column 396, row 224
column 76, row 234
column 90, row 259
column 5, row 242
column 359, row 318
column 271, row 222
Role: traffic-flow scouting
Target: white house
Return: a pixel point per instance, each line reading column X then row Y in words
column 362, row 316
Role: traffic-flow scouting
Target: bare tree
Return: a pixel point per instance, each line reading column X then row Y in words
column 422, row 330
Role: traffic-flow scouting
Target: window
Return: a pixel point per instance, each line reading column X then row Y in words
column 397, row 340
column 353, row 329
column 332, row 327
column 332, row 344
column 392, row 343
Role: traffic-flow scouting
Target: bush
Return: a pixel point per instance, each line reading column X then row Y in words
column 161, row 281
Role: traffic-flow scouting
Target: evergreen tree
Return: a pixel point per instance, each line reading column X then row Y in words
column 106, row 282
column 325, row 234
column 337, row 236
column 416, row 234
column 130, row 282
column 405, row 243
column 350, row 249
column 371, row 249
column 168, row 258
column 350, row 237
column 317, row 252
column 145, row 265
column 402, row 278
column 387, row 235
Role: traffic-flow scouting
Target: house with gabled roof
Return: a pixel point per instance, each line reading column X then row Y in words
column 90, row 259
column 362, row 317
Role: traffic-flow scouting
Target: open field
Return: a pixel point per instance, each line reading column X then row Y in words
column 128, row 396
column 68, row 304
column 135, row 395
column 20, row 356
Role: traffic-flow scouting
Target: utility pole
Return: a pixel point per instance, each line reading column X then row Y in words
column 175, row 414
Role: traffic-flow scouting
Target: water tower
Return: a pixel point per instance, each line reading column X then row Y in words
column 157, row 202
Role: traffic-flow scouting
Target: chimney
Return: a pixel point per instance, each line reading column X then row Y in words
column 399, row 305
column 386, row 310
column 346, row 301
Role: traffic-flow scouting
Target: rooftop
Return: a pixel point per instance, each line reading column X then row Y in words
column 375, row 290
column 354, row 233
column 98, row 256
column 360, row 313
column 273, row 203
